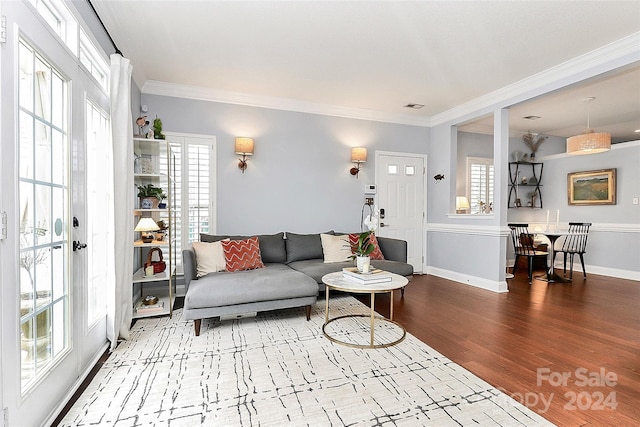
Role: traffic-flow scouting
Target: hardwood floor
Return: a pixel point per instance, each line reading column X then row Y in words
column 570, row 351
column 588, row 329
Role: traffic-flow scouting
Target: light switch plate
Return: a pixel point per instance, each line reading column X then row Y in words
column 635, row 201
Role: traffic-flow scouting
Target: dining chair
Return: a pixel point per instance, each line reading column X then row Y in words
column 523, row 245
column 575, row 244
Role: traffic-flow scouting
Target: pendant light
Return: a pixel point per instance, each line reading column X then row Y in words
column 589, row 142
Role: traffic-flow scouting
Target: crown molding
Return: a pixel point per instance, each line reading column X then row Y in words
column 154, row 87
column 607, row 58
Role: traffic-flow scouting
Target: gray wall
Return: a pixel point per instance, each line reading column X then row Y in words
column 298, row 179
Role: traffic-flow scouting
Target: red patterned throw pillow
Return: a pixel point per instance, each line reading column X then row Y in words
column 376, row 254
column 242, row 254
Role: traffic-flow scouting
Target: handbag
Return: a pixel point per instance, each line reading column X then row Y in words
column 158, row 266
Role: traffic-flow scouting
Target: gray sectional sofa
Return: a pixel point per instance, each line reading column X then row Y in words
column 292, row 277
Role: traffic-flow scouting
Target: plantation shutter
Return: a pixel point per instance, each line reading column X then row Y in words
column 480, row 182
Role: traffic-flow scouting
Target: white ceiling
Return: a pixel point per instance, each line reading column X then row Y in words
column 376, row 57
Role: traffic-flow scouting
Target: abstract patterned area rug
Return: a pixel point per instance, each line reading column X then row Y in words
column 277, row 369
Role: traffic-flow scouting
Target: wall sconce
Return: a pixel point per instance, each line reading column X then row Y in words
column 244, row 146
column 462, row 204
column 358, row 156
column 145, row 226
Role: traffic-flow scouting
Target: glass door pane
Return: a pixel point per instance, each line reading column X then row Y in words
column 44, row 296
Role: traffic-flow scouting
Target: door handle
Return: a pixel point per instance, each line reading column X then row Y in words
column 382, row 224
column 78, row 246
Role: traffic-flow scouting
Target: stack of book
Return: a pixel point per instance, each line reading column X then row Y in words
column 374, row 276
column 150, row 309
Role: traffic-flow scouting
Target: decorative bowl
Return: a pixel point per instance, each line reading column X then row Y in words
column 150, row 300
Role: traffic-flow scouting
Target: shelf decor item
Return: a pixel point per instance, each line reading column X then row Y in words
column 517, row 156
column 157, row 129
column 150, row 300
column 533, row 142
column 158, row 266
column 146, row 226
column 361, row 251
column 150, row 196
column 142, row 122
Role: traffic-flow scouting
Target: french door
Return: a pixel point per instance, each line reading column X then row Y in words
column 48, row 340
column 400, row 179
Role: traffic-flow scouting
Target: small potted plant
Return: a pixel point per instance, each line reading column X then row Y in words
column 149, row 195
column 157, row 129
column 361, row 251
column 162, row 204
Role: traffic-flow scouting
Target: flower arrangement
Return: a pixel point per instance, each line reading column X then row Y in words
column 533, row 142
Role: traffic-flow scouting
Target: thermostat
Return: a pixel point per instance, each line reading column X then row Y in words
column 370, row 189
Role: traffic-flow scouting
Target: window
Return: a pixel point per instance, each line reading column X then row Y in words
column 193, row 196
column 480, row 183
column 58, row 16
column 93, row 61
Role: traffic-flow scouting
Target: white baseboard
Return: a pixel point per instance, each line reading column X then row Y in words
column 595, row 269
column 478, row 282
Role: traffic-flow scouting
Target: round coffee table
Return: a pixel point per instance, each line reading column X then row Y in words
column 338, row 282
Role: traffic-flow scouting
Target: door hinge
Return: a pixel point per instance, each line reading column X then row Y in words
column 3, row 29
column 3, row 225
column 5, row 412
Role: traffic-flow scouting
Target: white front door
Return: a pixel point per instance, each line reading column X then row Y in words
column 48, row 338
column 401, row 201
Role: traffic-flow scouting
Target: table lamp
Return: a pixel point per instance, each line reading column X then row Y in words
column 462, row 204
column 146, row 226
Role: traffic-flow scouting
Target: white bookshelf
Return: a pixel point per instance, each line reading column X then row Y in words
column 157, row 168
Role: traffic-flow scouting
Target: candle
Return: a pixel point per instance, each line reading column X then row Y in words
column 557, row 219
column 547, row 220
column 149, row 271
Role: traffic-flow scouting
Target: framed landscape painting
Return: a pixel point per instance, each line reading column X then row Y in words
column 592, row 187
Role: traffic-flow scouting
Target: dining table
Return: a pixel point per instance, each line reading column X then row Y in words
column 553, row 235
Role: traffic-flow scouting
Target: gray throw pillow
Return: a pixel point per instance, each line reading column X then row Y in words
column 208, row 238
column 304, row 246
column 272, row 247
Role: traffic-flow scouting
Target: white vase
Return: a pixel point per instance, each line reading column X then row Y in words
column 362, row 263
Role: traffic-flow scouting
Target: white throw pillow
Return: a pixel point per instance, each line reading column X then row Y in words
column 209, row 257
column 335, row 248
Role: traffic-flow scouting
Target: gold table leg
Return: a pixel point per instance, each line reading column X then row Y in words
column 326, row 305
column 373, row 303
column 372, row 323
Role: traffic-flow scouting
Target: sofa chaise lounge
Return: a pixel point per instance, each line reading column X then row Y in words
column 291, row 277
